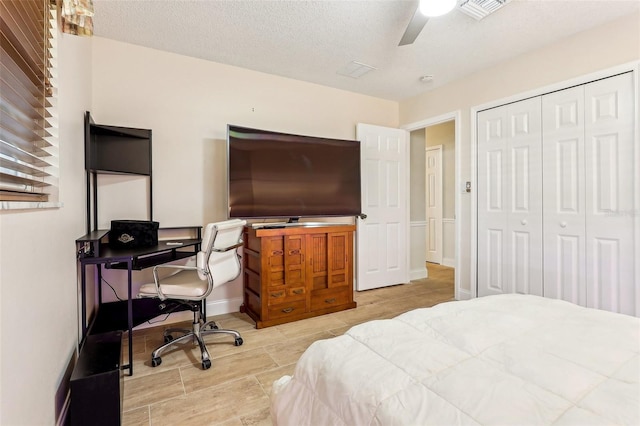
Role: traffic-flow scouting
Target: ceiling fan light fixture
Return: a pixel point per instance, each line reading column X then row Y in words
column 433, row 8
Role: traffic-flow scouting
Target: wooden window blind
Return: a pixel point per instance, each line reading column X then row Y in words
column 28, row 114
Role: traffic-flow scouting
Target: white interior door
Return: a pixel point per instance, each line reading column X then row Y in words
column 433, row 185
column 564, row 202
column 382, row 237
column 589, row 251
column 509, row 199
column 609, row 198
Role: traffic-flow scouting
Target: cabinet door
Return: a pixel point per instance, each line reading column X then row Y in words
column 317, row 267
column 329, row 263
column 273, row 250
column 338, row 254
column 294, row 260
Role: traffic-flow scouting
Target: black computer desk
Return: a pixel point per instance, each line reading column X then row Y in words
column 93, row 249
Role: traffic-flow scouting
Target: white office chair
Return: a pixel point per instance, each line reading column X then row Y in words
column 217, row 263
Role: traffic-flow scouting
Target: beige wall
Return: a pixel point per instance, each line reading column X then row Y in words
column 38, row 313
column 188, row 103
column 613, row 44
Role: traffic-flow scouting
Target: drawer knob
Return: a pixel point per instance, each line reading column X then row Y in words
column 279, row 294
column 298, row 291
column 277, row 253
column 294, row 251
column 287, row 310
column 332, row 300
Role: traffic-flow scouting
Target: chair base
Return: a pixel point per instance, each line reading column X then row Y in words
column 199, row 330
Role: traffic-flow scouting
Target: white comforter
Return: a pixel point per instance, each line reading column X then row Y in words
column 508, row 360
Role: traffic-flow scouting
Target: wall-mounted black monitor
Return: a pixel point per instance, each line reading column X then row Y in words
column 117, row 149
column 279, row 175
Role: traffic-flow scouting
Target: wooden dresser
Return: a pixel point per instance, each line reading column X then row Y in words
column 297, row 272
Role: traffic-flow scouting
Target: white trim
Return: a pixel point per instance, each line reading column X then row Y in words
column 464, row 295
column 583, row 79
column 448, row 261
column 419, row 274
column 456, row 117
column 422, row 271
column 223, row 306
column 29, row 205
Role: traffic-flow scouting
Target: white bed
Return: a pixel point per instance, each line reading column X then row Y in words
column 508, row 360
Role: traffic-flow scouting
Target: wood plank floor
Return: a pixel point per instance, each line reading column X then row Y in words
column 236, row 389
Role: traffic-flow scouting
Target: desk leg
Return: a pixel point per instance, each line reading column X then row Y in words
column 83, row 295
column 130, row 315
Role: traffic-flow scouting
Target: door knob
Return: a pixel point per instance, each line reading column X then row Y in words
column 563, row 224
column 523, row 221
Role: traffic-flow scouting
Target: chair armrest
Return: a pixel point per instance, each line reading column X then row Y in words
column 222, row 250
column 157, row 280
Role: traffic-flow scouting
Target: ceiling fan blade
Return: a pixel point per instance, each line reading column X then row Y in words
column 416, row 25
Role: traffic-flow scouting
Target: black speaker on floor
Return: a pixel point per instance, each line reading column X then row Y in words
column 97, row 381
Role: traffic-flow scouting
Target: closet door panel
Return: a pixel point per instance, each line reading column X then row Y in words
column 492, row 202
column 525, row 186
column 609, row 160
column 564, row 195
column 510, row 199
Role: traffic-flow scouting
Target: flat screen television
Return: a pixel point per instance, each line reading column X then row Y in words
column 279, row 175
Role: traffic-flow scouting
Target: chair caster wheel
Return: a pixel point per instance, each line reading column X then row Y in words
column 239, row 341
column 211, row 326
column 206, row 364
column 156, row 361
column 168, row 338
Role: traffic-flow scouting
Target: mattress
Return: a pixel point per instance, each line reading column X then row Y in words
column 496, row 360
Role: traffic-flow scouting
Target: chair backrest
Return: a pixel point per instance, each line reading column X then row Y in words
column 220, row 267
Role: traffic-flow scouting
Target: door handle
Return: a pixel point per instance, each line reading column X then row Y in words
column 563, row 224
column 362, row 216
column 523, row 221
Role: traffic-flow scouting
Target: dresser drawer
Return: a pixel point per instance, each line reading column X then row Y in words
column 290, row 309
column 282, row 294
column 330, row 297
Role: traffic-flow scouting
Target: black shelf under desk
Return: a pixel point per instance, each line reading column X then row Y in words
column 112, row 316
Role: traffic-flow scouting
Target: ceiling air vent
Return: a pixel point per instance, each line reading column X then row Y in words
column 478, row 9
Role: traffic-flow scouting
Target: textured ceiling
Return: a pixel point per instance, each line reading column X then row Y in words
column 313, row 40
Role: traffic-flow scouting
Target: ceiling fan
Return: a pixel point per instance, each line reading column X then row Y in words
column 426, row 9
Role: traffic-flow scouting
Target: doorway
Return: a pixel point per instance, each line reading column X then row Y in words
column 424, row 135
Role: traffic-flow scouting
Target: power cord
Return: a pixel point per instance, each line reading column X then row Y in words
column 112, row 289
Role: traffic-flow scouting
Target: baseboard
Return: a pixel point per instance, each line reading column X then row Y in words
column 418, row 274
column 451, row 263
column 224, row 306
column 64, row 419
column 463, row 294
column 63, row 393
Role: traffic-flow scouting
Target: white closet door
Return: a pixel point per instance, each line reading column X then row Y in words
column 589, row 249
column 525, row 213
column 564, row 195
column 510, row 199
column 609, row 168
column 492, row 202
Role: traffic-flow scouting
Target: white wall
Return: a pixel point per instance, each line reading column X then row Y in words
column 612, row 44
column 38, row 275
column 188, row 103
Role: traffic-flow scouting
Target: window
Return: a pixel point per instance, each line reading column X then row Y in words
column 28, row 113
